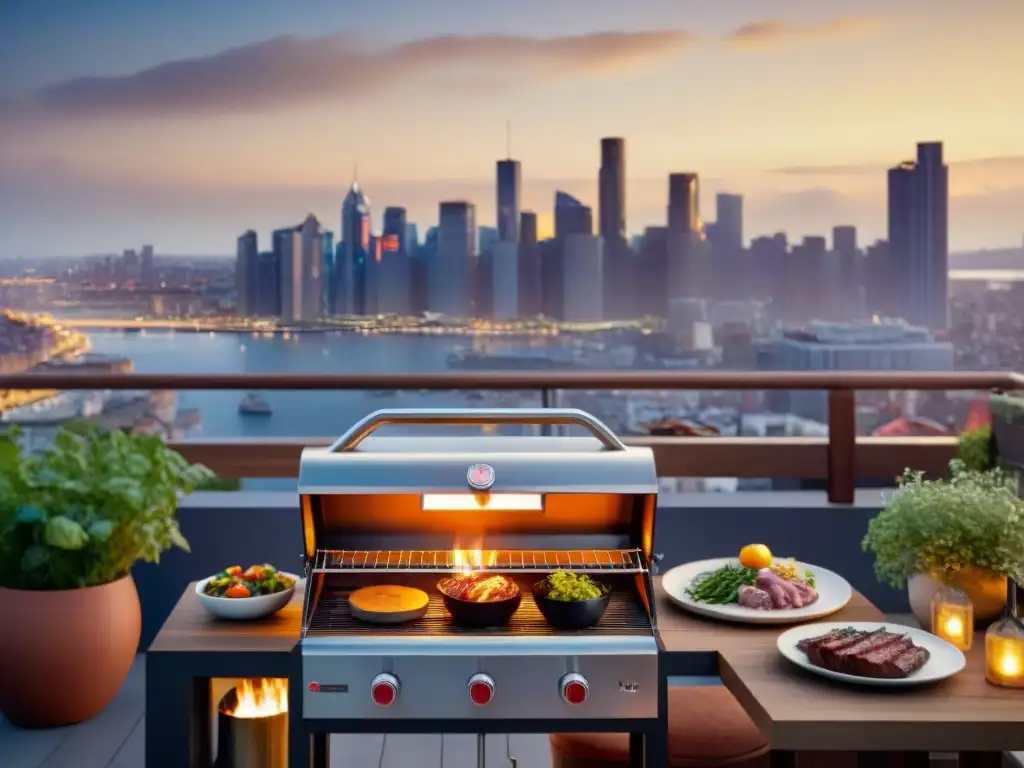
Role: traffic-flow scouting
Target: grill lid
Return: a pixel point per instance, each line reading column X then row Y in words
column 359, row 463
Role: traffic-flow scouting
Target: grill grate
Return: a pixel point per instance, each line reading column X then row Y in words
column 446, row 560
column 625, row 616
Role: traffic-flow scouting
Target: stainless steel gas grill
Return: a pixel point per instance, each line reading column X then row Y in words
column 409, row 510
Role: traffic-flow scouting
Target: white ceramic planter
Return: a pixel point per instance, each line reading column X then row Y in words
column 920, row 590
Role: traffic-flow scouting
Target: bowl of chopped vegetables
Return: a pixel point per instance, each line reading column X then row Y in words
column 253, row 593
column 570, row 600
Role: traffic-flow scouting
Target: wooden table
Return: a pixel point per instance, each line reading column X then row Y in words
column 801, row 712
column 190, row 650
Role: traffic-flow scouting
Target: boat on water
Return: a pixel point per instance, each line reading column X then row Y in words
column 254, row 404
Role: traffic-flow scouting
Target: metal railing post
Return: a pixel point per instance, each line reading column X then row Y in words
column 842, row 445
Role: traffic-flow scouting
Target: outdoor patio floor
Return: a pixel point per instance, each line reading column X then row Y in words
column 115, row 739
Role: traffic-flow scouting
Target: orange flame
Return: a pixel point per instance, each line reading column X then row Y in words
column 264, row 697
column 475, row 559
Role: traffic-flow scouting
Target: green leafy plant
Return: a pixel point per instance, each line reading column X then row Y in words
column 940, row 527
column 80, row 513
column 975, row 449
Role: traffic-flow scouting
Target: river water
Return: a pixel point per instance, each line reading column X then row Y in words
column 321, row 414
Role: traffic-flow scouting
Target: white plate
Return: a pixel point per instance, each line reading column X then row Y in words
column 246, row 608
column 945, row 660
column 834, row 592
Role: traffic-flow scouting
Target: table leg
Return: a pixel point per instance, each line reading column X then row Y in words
column 648, row 750
column 320, row 750
column 178, row 713
column 981, row 760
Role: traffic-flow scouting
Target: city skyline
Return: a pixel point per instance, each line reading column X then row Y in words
column 794, row 114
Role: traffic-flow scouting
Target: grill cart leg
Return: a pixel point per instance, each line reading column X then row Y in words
column 481, row 751
column 648, row 750
column 321, row 750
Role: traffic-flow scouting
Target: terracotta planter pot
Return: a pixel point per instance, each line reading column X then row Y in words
column 986, row 591
column 65, row 654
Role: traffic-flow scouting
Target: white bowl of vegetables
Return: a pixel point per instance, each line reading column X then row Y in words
column 253, row 593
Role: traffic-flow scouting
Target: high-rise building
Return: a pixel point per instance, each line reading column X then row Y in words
column 268, row 285
column 683, row 202
column 571, row 218
column 508, row 200
column 504, row 280
column 729, row 222
column 844, row 284
column 354, row 251
column 393, row 271
column 583, row 289
column 301, row 253
column 453, row 275
column 246, row 258
column 688, row 273
column 148, row 269
column 612, row 228
column 529, row 266
column 329, row 254
column 651, row 280
column 919, row 237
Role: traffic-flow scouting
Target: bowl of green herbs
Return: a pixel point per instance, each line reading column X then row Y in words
column 570, row 600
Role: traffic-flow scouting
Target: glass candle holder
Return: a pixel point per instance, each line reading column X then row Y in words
column 953, row 617
column 1004, row 652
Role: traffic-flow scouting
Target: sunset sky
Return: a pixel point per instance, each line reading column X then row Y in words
column 183, row 123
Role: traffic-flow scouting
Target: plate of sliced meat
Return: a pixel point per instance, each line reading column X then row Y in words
column 870, row 653
column 784, row 591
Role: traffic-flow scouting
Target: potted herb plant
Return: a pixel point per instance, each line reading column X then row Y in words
column 73, row 521
column 966, row 531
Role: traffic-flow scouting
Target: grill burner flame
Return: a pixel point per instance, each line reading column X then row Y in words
column 469, row 560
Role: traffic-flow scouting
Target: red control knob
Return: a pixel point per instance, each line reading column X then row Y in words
column 574, row 688
column 384, row 689
column 481, row 689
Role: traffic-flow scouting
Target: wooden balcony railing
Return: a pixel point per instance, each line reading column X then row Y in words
column 840, row 459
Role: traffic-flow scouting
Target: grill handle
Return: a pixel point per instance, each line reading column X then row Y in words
column 475, row 416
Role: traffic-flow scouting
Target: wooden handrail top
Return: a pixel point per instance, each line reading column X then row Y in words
column 528, row 380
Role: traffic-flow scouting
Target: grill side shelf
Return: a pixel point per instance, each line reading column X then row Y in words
column 622, row 561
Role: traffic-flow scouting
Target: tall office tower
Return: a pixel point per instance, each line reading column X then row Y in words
column 582, row 291
column 919, row 237
column 529, row 266
column 328, row 281
column 301, row 252
column 800, row 289
column 453, row 274
column 130, row 266
column 148, row 269
column 422, row 269
column 878, row 286
column 571, row 218
column 354, row 252
column 508, row 200
column 652, row 286
column 268, row 285
column 617, row 275
column 729, row 222
column 393, row 278
column 729, row 260
column 504, row 257
column 246, row 256
column 687, row 272
column 768, row 261
column 844, row 283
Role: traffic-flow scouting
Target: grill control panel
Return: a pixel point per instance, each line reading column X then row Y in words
column 449, row 679
column 481, row 689
column 384, row 689
column 574, row 688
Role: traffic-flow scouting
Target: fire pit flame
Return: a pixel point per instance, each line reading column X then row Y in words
column 260, row 698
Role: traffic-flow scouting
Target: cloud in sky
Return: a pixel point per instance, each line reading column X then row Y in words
column 770, row 34
column 289, row 70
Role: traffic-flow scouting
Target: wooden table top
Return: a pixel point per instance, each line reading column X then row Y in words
column 191, row 628
column 800, row 711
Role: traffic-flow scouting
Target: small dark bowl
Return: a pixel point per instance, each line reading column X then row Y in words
column 565, row 614
column 467, row 613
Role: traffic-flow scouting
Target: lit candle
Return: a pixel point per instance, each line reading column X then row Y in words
column 953, row 618
column 1004, row 653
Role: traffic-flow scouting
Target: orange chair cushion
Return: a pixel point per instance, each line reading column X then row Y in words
column 706, row 727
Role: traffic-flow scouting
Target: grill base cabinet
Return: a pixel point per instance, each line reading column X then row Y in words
column 412, row 510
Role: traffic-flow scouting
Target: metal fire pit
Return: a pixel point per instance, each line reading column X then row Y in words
column 250, row 742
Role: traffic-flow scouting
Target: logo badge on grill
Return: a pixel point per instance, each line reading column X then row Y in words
column 480, row 477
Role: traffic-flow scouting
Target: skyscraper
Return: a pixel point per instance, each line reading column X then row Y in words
column 919, row 237
column 687, row 269
column 729, row 221
column 393, row 271
column 571, row 216
column 508, row 200
column 246, row 257
column 616, row 275
column 683, row 202
column 583, row 291
column 354, row 251
column 301, row 252
column 453, row 273
column 529, row 266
